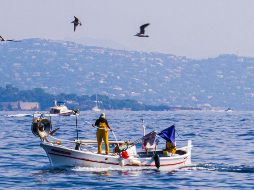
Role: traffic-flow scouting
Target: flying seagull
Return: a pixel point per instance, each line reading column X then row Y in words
column 76, row 22
column 3, row 40
column 142, row 30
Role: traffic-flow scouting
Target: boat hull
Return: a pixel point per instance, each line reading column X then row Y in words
column 61, row 156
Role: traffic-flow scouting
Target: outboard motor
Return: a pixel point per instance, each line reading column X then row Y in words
column 156, row 158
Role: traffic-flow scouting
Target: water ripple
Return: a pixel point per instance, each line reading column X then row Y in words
column 223, row 168
column 222, row 148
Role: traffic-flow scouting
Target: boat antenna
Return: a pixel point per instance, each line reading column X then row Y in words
column 144, row 127
column 96, row 101
column 50, row 119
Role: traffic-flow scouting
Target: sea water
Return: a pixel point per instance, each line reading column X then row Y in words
column 222, row 154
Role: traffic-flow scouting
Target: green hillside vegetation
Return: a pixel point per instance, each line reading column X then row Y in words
column 73, row 101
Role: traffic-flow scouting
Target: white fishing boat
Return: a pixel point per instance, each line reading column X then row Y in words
column 62, row 156
column 64, row 153
column 60, row 109
column 96, row 107
column 228, row 110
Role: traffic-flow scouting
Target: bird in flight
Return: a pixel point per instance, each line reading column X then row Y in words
column 76, row 22
column 4, row 40
column 142, row 30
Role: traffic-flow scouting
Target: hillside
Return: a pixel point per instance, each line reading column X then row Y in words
column 150, row 78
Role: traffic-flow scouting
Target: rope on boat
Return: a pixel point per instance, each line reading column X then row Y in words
column 115, row 137
column 62, row 139
column 88, row 147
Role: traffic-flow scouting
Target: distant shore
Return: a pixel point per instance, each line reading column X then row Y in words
column 13, row 99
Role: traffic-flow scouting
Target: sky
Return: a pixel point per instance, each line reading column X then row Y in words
column 191, row 28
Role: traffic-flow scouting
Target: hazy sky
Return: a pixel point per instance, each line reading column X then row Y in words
column 192, row 28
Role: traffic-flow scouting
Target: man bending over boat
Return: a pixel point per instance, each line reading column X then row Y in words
column 102, row 132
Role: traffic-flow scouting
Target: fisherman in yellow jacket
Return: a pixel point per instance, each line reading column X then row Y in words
column 102, row 132
column 170, row 147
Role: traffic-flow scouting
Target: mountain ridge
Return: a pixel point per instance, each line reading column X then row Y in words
column 149, row 77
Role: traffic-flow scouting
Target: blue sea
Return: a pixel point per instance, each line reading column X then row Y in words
column 222, row 154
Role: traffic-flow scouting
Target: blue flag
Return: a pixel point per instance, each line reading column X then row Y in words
column 168, row 134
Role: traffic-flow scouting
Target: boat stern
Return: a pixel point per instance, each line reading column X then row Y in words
column 189, row 148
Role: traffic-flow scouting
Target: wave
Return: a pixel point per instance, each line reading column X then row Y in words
column 19, row 115
column 31, row 115
column 222, row 168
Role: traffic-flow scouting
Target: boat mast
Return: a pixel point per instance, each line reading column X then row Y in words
column 77, row 126
column 96, row 102
column 77, row 147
